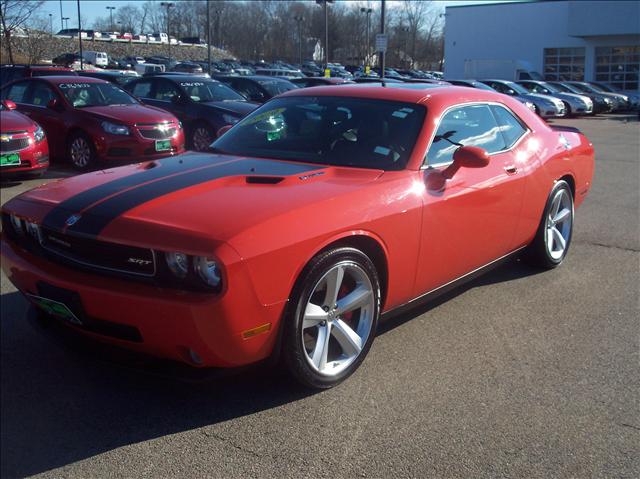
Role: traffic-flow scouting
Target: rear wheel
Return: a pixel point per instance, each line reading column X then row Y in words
column 551, row 243
column 332, row 319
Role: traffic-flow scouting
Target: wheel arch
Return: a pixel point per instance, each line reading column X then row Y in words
column 571, row 181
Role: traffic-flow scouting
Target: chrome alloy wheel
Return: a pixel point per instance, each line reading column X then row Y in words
column 80, row 152
column 559, row 222
column 338, row 318
column 201, row 138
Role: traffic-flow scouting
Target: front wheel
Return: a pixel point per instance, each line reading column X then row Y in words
column 81, row 151
column 551, row 243
column 202, row 137
column 332, row 319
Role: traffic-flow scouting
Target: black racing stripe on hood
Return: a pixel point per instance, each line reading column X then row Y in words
column 98, row 217
column 157, row 169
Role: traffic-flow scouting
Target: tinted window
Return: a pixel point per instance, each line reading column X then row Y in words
column 165, row 90
column 141, row 89
column 472, row 125
column 41, row 94
column 17, row 92
column 356, row 132
column 511, row 128
column 276, row 87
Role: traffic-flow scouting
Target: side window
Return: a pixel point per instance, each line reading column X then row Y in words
column 510, row 126
column 472, row 125
column 17, row 92
column 142, row 89
column 165, row 90
column 41, row 94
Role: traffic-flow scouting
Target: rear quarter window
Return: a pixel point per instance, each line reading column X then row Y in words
column 510, row 125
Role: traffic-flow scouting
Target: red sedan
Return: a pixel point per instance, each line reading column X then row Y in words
column 89, row 120
column 23, row 144
column 318, row 214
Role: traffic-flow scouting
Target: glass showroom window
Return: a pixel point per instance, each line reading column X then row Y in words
column 618, row 66
column 564, row 64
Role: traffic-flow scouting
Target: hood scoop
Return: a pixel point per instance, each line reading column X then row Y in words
column 264, row 180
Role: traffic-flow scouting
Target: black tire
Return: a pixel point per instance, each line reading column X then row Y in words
column 85, row 160
column 538, row 252
column 567, row 109
column 294, row 354
column 196, row 137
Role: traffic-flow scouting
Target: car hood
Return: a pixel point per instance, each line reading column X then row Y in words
column 13, row 120
column 540, row 97
column 130, row 114
column 187, row 200
column 239, row 107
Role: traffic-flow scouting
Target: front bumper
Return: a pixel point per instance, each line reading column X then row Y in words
column 135, row 147
column 34, row 159
column 161, row 322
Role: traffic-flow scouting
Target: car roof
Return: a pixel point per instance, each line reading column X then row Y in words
column 183, row 77
column 409, row 95
column 57, row 79
column 262, row 78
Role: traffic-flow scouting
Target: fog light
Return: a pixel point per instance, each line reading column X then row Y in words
column 207, row 270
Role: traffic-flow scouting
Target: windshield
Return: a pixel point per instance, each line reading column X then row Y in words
column 481, row 86
column 550, row 87
column 584, row 88
column 275, row 87
column 82, row 95
column 203, row 91
column 565, row 88
column 605, row 88
column 338, row 131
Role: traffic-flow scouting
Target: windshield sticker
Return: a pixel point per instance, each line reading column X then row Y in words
column 195, row 83
column 381, row 150
column 262, row 116
column 64, row 86
column 399, row 114
column 274, row 135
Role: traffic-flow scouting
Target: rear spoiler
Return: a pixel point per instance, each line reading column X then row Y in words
column 565, row 128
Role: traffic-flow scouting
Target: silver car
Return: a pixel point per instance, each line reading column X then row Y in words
column 574, row 104
column 546, row 106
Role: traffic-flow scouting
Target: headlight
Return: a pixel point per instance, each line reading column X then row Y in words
column 230, row 119
column 625, row 98
column 115, row 129
column 178, row 263
column 38, row 135
column 17, row 224
column 207, row 270
column 33, row 230
column 608, row 100
column 530, row 106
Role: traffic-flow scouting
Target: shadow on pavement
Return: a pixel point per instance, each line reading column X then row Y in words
column 61, row 405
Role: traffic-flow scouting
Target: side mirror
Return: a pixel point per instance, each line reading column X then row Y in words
column 467, row 157
column 54, row 104
column 223, row 130
column 511, row 92
column 8, row 104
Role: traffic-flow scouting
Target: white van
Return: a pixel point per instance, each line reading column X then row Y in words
column 142, row 68
column 98, row 59
column 161, row 37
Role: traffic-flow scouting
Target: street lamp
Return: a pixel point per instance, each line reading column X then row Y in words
column 326, row 30
column 51, row 23
column 299, row 19
column 111, row 9
column 368, row 12
column 168, row 5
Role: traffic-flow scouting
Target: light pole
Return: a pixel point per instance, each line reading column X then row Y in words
column 208, row 39
column 61, row 17
column 299, row 19
column 368, row 12
column 326, row 30
column 111, row 9
column 168, row 5
column 80, row 36
column 65, row 19
column 51, row 23
column 382, row 31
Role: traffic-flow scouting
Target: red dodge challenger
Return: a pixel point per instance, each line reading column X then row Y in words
column 316, row 215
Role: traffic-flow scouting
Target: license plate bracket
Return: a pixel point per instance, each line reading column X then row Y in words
column 55, row 308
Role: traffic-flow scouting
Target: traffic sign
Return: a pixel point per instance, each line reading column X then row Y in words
column 381, row 42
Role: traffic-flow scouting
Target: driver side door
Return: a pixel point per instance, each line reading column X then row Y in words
column 472, row 220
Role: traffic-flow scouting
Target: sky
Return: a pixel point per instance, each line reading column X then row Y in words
column 92, row 9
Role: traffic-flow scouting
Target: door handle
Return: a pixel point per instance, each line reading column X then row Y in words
column 511, row 169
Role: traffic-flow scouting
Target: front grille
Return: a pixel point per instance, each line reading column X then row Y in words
column 99, row 254
column 14, row 144
column 157, row 132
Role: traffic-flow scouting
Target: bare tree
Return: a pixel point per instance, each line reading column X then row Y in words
column 15, row 15
column 415, row 14
column 37, row 38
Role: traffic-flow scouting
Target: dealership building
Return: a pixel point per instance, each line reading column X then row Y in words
column 562, row 40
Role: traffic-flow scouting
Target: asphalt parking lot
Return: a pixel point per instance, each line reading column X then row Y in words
column 521, row 373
